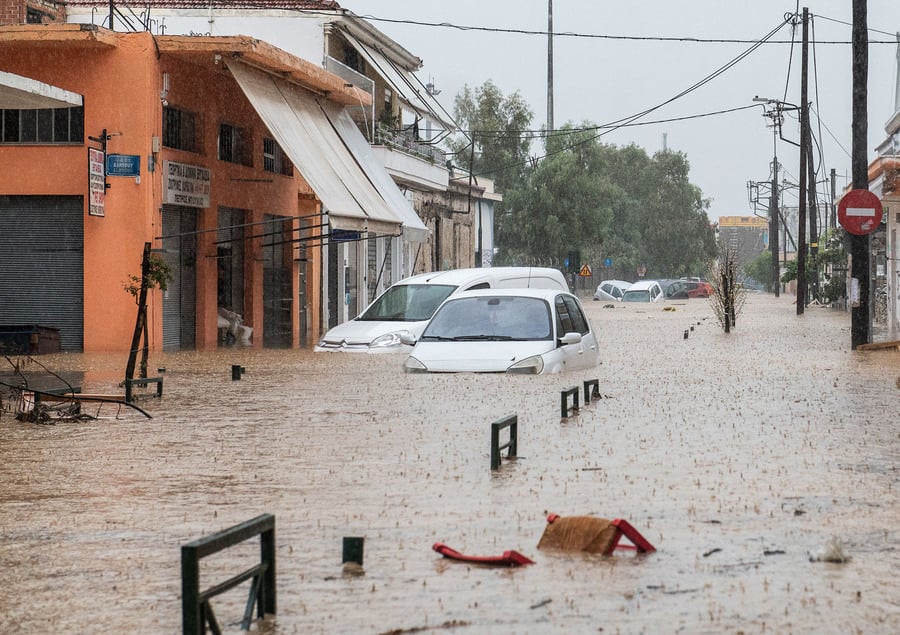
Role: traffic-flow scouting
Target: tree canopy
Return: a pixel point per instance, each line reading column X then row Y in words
column 584, row 195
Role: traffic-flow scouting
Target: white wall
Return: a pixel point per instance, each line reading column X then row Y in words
column 298, row 34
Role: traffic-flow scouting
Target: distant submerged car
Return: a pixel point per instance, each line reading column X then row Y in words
column 519, row 331
column 698, row 288
column 643, row 291
column 673, row 289
column 405, row 308
column 612, row 290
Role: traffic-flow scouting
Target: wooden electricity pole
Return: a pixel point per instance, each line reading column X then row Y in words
column 860, row 322
column 804, row 142
column 549, row 65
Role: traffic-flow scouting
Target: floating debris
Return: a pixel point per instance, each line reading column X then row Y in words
column 833, row 552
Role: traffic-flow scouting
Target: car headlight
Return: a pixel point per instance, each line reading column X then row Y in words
column 388, row 339
column 412, row 365
column 529, row 366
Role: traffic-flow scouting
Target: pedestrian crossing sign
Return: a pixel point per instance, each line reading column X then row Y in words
column 585, row 271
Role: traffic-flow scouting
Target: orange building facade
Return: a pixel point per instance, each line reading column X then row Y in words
column 190, row 168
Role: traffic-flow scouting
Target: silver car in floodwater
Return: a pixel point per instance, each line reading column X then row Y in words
column 404, row 309
column 525, row 331
column 611, row 290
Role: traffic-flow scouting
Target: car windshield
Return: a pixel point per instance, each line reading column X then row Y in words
column 491, row 318
column 636, row 296
column 407, row 303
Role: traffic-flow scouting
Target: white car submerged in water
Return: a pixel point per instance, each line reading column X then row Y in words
column 524, row 331
column 405, row 308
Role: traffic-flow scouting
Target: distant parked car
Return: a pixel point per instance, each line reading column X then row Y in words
column 673, row 289
column 643, row 291
column 698, row 288
column 520, row 331
column 611, row 290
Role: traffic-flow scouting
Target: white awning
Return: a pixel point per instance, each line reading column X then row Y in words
column 404, row 83
column 299, row 125
column 414, row 230
column 24, row 93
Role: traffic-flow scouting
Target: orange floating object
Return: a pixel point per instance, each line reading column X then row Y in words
column 591, row 535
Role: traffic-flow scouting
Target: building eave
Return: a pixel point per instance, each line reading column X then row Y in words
column 87, row 35
column 267, row 58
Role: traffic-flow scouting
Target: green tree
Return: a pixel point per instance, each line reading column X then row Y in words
column 831, row 287
column 582, row 195
column 676, row 237
column 498, row 124
column 565, row 203
column 760, row 269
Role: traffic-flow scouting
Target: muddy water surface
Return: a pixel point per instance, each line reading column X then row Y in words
column 743, row 458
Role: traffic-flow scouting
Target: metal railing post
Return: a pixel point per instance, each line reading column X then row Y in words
column 190, row 591
column 511, row 422
column 564, row 401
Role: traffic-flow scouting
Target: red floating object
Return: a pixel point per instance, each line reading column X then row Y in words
column 591, row 535
column 508, row 559
column 625, row 529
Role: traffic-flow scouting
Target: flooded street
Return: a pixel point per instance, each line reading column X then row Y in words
column 743, row 458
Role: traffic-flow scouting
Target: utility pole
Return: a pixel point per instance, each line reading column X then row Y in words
column 549, row 65
column 804, row 140
column 860, row 322
column 774, row 227
column 813, row 216
column 833, row 223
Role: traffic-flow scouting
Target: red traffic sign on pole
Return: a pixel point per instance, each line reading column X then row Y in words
column 859, row 212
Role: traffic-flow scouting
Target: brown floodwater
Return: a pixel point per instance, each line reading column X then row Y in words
column 747, row 459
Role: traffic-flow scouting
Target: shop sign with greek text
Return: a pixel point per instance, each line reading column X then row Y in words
column 186, row 184
column 96, row 183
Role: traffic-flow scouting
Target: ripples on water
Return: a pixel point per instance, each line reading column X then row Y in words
column 738, row 456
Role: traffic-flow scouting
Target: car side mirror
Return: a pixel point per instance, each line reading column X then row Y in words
column 407, row 339
column 570, row 338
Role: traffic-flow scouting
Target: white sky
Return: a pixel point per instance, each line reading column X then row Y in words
column 602, row 80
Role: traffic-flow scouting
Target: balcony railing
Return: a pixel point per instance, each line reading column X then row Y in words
column 405, row 141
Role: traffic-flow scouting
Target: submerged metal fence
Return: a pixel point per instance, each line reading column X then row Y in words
column 511, row 422
column 197, row 612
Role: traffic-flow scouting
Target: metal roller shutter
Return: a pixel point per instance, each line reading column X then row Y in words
column 42, row 265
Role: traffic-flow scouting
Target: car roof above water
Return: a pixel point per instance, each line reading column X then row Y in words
column 542, row 293
column 642, row 285
column 506, row 277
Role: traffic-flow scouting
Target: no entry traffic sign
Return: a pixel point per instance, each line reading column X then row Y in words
column 859, row 212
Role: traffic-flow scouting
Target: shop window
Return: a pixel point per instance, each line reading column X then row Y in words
column 235, row 145
column 179, row 129
column 274, row 159
column 46, row 125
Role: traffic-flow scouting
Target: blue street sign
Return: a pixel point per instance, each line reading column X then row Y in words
column 343, row 235
column 607, row 262
column 123, row 165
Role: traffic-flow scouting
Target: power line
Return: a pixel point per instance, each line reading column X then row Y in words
column 542, row 133
column 570, row 34
column 619, row 123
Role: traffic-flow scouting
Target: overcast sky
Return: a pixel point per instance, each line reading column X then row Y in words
column 601, row 80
